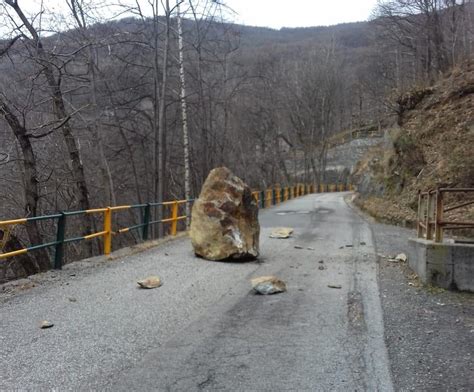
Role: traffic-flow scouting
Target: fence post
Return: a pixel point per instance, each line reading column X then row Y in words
column 428, row 216
column 262, row 199
column 108, row 231
column 59, row 249
column 146, row 222
column 439, row 216
column 419, row 228
column 174, row 216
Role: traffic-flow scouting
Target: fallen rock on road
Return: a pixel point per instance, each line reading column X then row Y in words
column 46, row 324
column 268, row 285
column 224, row 223
column 151, row 282
column 282, row 232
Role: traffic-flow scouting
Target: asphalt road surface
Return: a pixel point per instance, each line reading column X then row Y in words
column 205, row 329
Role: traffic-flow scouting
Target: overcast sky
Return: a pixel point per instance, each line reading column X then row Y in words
column 267, row 13
column 300, row 13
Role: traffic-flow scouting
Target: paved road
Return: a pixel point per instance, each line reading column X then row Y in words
column 204, row 329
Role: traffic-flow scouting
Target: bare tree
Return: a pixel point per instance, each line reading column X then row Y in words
column 63, row 117
column 184, row 114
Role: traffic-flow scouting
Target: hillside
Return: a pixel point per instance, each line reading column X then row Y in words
column 432, row 147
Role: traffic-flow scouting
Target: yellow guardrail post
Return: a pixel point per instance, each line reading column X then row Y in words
column 174, row 216
column 278, row 195
column 108, row 231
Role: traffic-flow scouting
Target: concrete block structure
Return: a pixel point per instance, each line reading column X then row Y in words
column 446, row 265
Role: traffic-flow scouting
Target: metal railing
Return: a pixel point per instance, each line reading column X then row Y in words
column 432, row 220
column 107, row 230
column 272, row 196
column 264, row 199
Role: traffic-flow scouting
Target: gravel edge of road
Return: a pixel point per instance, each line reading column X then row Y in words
column 429, row 332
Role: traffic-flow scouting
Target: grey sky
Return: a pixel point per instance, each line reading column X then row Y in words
column 269, row 13
column 300, row 13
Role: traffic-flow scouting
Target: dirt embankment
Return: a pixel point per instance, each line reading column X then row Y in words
column 433, row 146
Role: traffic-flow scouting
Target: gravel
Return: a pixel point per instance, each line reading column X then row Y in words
column 429, row 332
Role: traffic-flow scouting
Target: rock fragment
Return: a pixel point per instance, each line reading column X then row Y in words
column 268, row 285
column 151, row 282
column 334, row 286
column 46, row 324
column 402, row 257
column 281, row 232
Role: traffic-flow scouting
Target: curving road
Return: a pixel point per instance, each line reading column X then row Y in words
column 204, row 329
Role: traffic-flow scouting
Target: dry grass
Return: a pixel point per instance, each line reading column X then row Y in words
column 434, row 147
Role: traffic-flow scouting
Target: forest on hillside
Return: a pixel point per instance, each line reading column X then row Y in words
column 97, row 112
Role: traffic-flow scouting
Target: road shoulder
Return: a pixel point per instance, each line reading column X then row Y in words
column 429, row 332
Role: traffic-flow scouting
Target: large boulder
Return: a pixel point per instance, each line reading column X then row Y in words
column 224, row 223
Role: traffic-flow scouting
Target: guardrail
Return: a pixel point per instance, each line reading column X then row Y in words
column 369, row 132
column 432, row 221
column 264, row 199
column 272, row 196
column 106, row 233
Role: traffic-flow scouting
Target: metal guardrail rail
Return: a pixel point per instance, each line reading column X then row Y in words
column 106, row 233
column 264, row 199
column 432, row 220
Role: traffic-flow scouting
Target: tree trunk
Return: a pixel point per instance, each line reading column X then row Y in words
column 161, row 121
column 40, row 261
column 63, row 118
column 187, row 187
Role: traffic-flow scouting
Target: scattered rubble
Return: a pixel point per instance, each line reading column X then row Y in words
column 334, row 286
column 151, row 282
column 46, row 324
column 268, row 285
column 298, row 247
column 402, row 257
column 282, row 232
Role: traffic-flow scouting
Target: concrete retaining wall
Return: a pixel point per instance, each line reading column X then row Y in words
column 446, row 265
